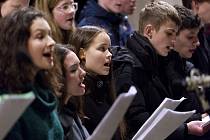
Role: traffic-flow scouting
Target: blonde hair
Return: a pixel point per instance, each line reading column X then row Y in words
column 157, row 13
column 47, row 6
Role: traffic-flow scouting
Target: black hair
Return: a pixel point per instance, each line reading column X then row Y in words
column 188, row 19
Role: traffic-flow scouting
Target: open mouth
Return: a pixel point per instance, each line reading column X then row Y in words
column 70, row 19
column 192, row 50
column 107, row 64
column 119, row 5
column 47, row 54
column 169, row 47
column 81, row 84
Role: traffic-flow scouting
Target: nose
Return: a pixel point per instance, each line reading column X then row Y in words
column 83, row 72
column 109, row 54
column 196, row 43
column 50, row 42
column 71, row 10
column 173, row 39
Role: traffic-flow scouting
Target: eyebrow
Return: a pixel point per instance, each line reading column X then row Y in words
column 42, row 30
column 65, row 3
column 16, row 5
column 104, row 44
column 171, row 29
column 73, row 66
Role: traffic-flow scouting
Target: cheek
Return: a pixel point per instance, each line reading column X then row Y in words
column 69, row 83
column 58, row 18
column 204, row 13
column 95, row 61
column 25, row 3
column 158, row 44
column 93, row 66
column 5, row 10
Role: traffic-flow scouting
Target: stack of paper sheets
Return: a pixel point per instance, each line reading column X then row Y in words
column 163, row 121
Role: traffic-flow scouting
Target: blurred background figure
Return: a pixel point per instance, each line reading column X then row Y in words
column 7, row 6
column 61, row 15
column 128, row 6
column 107, row 14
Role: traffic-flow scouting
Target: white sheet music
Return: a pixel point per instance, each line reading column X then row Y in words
column 206, row 121
column 109, row 124
column 156, row 122
column 165, row 123
column 11, row 108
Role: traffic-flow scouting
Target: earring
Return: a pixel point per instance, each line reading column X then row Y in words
column 82, row 58
column 82, row 54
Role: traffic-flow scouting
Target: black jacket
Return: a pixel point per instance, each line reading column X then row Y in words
column 144, row 74
column 116, row 25
column 173, row 71
column 122, row 68
column 96, row 102
column 145, row 77
column 201, row 58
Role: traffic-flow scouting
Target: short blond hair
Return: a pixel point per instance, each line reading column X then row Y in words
column 157, row 13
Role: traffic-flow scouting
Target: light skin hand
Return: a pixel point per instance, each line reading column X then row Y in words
column 195, row 128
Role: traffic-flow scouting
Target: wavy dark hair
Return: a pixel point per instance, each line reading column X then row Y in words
column 188, row 3
column 16, row 67
column 188, row 19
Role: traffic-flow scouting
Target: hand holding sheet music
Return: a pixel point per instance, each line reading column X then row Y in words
column 206, row 124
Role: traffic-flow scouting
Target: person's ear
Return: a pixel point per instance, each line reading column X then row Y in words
column 148, row 31
column 82, row 54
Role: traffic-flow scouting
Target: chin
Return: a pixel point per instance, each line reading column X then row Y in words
column 48, row 67
column 104, row 73
column 188, row 57
column 164, row 54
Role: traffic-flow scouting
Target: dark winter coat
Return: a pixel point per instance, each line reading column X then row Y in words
column 201, row 58
column 173, row 72
column 122, row 68
column 117, row 25
column 96, row 102
column 40, row 120
column 145, row 77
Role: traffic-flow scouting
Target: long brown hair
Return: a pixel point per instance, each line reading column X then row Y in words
column 16, row 66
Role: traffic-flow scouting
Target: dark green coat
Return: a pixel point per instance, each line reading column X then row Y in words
column 40, row 120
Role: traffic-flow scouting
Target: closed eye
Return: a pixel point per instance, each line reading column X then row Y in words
column 74, row 68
